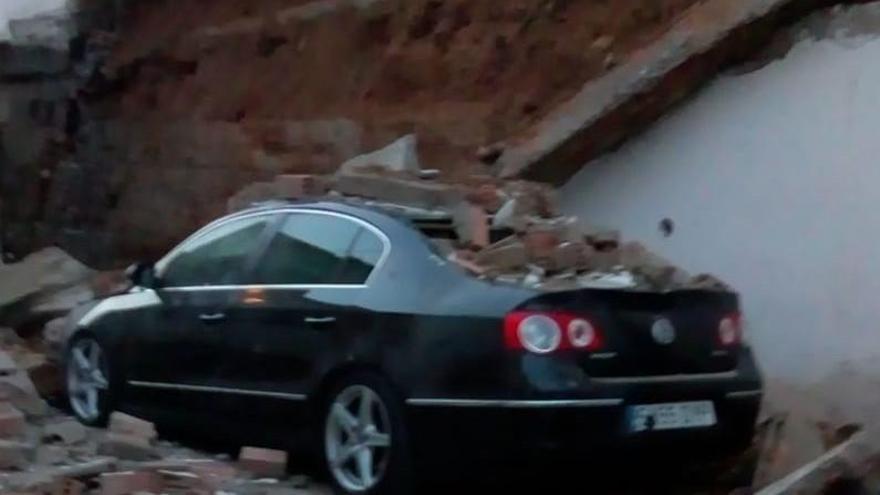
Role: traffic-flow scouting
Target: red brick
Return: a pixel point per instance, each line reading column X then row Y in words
column 130, row 425
column 128, row 482
column 472, row 225
column 12, row 422
column 263, row 462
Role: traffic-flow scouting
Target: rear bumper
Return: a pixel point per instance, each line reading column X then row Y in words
column 594, row 416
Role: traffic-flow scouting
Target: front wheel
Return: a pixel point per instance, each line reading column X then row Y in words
column 88, row 381
column 366, row 447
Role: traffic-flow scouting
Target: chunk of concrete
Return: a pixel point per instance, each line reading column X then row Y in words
column 67, row 431
column 263, row 462
column 51, row 455
column 12, row 423
column 400, row 156
column 125, row 424
column 128, row 482
column 15, row 455
column 427, row 195
column 471, row 225
column 37, row 276
column 127, row 446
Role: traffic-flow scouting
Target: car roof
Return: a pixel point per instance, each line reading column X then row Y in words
column 373, row 211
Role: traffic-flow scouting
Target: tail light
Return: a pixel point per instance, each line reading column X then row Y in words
column 730, row 331
column 547, row 332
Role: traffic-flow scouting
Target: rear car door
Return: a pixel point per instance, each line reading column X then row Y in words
column 302, row 310
column 182, row 356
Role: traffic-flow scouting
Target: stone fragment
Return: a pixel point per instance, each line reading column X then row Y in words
column 263, row 462
column 487, row 196
column 129, row 482
column 505, row 255
column 127, row 446
column 67, row 431
column 471, row 225
column 129, row 425
column 51, row 455
column 490, row 154
column 14, row 455
column 68, row 486
column 26, row 401
column 399, row 156
column 428, row 195
column 12, row 423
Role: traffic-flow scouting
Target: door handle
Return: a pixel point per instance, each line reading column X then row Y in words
column 212, row 317
column 312, row 320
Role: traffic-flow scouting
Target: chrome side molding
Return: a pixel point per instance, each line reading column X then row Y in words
column 217, row 390
column 515, row 404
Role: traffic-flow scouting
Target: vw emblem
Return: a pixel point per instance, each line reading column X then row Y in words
column 663, row 331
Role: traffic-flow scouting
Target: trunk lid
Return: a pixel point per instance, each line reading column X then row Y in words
column 685, row 341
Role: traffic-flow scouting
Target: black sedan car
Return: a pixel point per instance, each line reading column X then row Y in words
column 342, row 327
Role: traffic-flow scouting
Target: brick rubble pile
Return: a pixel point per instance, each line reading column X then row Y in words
column 504, row 231
column 44, row 452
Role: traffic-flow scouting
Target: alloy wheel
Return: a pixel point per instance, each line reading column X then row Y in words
column 86, row 379
column 358, row 438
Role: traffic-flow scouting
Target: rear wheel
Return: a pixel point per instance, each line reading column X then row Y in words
column 366, row 447
column 88, row 381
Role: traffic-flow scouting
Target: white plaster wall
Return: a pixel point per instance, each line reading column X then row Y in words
column 773, row 181
column 18, row 9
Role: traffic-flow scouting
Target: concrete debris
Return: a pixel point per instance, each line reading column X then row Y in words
column 127, row 446
column 12, row 424
column 15, row 455
column 500, row 230
column 263, row 462
column 124, row 424
column 128, row 482
column 400, row 156
column 46, row 279
column 67, row 431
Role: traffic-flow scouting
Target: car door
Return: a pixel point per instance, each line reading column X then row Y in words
column 181, row 357
column 300, row 310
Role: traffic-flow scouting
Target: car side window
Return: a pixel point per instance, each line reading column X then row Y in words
column 216, row 257
column 317, row 249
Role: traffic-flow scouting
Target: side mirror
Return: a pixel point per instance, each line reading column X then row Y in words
column 142, row 274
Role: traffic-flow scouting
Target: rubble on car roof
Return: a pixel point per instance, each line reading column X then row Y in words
column 506, row 231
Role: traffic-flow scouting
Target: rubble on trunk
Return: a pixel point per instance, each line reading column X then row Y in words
column 502, row 231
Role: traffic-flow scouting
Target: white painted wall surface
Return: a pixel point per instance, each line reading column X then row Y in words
column 773, row 181
column 18, row 9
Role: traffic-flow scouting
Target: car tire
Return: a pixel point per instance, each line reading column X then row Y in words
column 90, row 386
column 365, row 443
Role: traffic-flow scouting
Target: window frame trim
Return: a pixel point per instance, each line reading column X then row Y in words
column 282, row 214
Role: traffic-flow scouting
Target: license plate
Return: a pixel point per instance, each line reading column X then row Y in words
column 671, row 416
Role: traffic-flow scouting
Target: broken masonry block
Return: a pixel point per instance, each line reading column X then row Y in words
column 428, row 195
column 67, row 431
column 540, row 243
column 471, row 225
column 130, row 425
column 486, row 196
column 128, row 482
column 15, row 455
column 263, row 462
column 504, row 257
column 12, row 423
column 127, row 446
